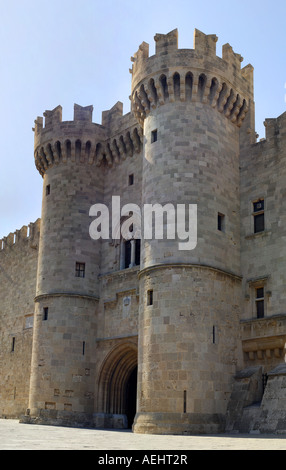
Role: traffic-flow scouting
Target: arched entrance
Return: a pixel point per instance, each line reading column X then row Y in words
column 118, row 386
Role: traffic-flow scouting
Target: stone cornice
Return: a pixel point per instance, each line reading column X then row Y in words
column 40, row 297
column 266, row 345
column 149, row 269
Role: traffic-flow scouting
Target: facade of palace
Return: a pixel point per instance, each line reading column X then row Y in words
column 139, row 333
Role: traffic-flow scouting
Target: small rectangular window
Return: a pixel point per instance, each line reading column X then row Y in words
column 79, row 269
column 258, row 216
column 45, row 313
column 131, row 180
column 13, row 344
column 221, row 222
column 154, row 136
column 48, row 189
column 150, row 297
column 259, row 302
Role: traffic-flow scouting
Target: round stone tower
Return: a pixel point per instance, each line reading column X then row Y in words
column 62, row 371
column 192, row 106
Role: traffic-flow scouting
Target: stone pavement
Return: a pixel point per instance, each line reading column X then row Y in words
column 18, row 436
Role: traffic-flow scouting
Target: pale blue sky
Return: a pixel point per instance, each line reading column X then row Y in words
column 66, row 51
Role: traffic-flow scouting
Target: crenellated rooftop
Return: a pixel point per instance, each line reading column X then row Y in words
column 27, row 234
column 190, row 74
column 202, row 56
column 84, row 141
column 169, row 75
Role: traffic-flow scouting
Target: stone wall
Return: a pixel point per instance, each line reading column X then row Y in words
column 256, row 405
column 18, row 274
column 263, row 174
column 263, row 253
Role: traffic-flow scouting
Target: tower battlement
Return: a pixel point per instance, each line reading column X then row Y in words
column 83, row 141
column 204, row 50
column 191, row 74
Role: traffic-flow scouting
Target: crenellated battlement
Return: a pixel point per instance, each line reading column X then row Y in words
column 83, row 141
column 204, row 50
column 27, row 234
column 205, row 43
column 275, row 128
column 197, row 74
column 172, row 74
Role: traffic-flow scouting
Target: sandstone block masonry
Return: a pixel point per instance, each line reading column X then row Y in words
column 137, row 333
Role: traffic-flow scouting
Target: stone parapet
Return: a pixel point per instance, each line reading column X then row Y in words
column 26, row 234
column 197, row 74
column 83, row 141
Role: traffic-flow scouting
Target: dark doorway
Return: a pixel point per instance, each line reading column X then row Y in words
column 118, row 384
column 130, row 397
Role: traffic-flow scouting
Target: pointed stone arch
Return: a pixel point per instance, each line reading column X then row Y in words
column 118, row 375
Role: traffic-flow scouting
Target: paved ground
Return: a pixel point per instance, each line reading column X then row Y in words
column 16, row 436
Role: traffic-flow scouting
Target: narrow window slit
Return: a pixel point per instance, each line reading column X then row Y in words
column 150, row 297
column 45, row 313
column 258, row 216
column 221, row 222
column 214, row 334
column 154, row 136
column 259, row 302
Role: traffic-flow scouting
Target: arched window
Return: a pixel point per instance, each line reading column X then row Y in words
column 130, row 253
column 129, row 248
